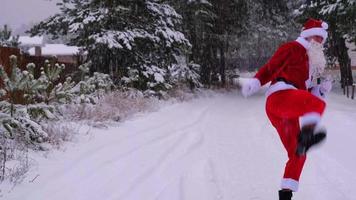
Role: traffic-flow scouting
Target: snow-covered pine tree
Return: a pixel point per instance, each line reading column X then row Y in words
column 6, row 39
column 198, row 23
column 186, row 74
column 348, row 8
column 14, row 83
column 135, row 41
column 84, row 71
column 54, row 91
column 227, row 34
column 269, row 23
column 229, row 25
column 19, row 121
column 32, row 86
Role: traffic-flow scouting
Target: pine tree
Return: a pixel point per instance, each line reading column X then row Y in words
column 21, row 85
column 19, row 120
column 53, row 90
column 269, row 23
column 210, row 27
column 6, row 39
column 348, row 25
column 230, row 24
column 90, row 89
column 228, row 34
column 32, row 86
column 14, row 83
column 133, row 41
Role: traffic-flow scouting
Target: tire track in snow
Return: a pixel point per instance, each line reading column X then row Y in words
column 181, row 150
column 127, row 158
column 87, row 157
column 138, row 146
column 74, row 169
column 103, row 148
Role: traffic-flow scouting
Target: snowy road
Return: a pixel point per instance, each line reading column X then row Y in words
column 217, row 148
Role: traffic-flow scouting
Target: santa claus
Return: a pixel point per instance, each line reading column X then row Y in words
column 295, row 97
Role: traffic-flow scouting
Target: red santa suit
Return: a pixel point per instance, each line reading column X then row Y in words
column 289, row 104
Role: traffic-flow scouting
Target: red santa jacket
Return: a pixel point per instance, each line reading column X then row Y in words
column 290, row 62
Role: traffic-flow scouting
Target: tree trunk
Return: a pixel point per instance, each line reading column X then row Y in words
column 4, row 160
column 340, row 52
column 206, row 63
column 222, row 64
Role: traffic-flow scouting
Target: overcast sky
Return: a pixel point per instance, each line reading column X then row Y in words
column 22, row 12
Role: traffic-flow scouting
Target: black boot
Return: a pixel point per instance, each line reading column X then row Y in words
column 308, row 138
column 285, row 194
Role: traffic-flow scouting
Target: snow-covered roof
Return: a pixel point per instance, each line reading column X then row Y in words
column 56, row 50
column 31, row 41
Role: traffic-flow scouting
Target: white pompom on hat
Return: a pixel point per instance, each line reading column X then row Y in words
column 315, row 27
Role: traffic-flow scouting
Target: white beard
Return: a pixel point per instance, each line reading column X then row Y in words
column 317, row 60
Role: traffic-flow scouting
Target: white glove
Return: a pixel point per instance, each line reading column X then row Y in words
column 326, row 86
column 250, row 86
column 317, row 92
column 321, row 89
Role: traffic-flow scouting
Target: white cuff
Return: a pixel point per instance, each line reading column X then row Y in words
column 309, row 119
column 288, row 183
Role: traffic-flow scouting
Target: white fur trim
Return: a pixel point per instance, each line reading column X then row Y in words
column 280, row 85
column 303, row 42
column 288, row 183
column 315, row 31
column 325, row 25
column 309, row 118
column 320, row 128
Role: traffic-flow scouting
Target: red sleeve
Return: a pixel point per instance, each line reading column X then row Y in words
column 268, row 72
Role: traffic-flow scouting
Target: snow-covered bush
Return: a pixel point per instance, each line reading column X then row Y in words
column 54, row 90
column 24, row 121
column 93, row 88
column 20, row 86
column 84, row 71
column 22, row 115
column 113, row 106
column 14, row 160
column 59, row 132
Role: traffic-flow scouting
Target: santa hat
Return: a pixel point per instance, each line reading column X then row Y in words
column 315, row 27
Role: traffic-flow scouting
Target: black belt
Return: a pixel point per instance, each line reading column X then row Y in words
column 285, row 80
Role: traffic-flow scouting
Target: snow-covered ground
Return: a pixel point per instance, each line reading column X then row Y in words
column 221, row 147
